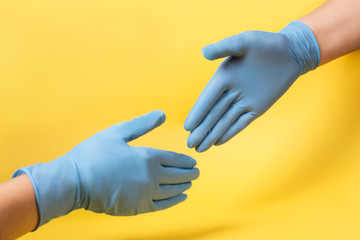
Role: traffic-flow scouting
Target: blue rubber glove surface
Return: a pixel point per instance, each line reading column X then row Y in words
column 104, row 174
column 259, row 69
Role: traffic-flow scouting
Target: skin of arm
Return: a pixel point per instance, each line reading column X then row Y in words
column 336, row 26
column 18, row 208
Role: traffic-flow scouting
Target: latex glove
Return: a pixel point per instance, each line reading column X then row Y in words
column 104, row 174
column 261, row 66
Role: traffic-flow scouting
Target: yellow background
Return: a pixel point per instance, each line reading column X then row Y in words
column 72, row 68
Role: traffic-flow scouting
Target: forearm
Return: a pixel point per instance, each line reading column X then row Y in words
column 336, row 26
column 18, row 208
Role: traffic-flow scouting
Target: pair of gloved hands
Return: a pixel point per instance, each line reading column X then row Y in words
column 106, row 175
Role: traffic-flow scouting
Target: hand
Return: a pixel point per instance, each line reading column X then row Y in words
column 260, row 68
column 104, row 174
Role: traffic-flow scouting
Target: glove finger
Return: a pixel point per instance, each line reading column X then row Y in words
column 139, row 126
column 172, row 175
column 242, row 122
column 231, row 46
column 169, row 191
column 173, row 159
column 229, row 117
column 206, row 100
column 215, row 113
column 163, row 204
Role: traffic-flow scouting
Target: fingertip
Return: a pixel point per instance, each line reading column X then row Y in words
column 197, row 173
column 190, row 141
column 187, row 186
column 139, row 126
column 161, row 116
column 190, row 162
column 164, row 204
column 201, row 149
column 193, row 162
column 188, row 125
column 179, row 198
column 207, row 52
column 183, row 197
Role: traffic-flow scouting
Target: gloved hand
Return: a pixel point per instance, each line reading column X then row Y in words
column 104, row 174
column 260, row 68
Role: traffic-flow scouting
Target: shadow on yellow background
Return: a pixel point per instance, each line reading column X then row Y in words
column 190, row 234
column 72, row 68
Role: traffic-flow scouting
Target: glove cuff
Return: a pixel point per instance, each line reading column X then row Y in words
column 303, row 45
column 56, row 187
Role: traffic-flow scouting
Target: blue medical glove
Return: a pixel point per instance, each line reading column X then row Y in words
column 104, row 174
column 260, row 68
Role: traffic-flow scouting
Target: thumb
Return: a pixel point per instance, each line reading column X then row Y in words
column 231, row 46
column 139, row 126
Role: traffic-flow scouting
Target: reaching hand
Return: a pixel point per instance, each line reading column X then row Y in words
column 106, row 175
column 259, row 69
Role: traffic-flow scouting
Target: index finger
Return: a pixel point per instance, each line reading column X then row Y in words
column 206, row 100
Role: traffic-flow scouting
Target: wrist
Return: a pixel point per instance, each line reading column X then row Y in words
column 303, row 45
column 56, row 187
